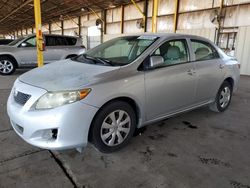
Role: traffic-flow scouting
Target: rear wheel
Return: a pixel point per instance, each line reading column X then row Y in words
column 7, row 66
column 223, row 98
column 113, row 127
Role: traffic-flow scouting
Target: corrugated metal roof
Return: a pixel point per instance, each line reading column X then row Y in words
column 18, row 14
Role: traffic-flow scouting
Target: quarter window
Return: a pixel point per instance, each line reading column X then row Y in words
column 71, row 41
column 203, row 50
column 61, row 41
column 173, row 52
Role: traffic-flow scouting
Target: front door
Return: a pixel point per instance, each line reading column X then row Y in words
column 55, row 49
column 170, row 87
column 27, row 52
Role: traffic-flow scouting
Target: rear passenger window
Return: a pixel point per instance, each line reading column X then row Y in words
column 173, row 52
column 203, row 50
column 56, row 41
column 50, row 41
column 61, row 41
column 71, row 41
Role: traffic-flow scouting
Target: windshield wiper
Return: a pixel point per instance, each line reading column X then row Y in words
column 80, row 59
column 96, row 60
column 104, row 61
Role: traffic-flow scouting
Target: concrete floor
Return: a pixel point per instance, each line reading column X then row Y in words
column 197, row 149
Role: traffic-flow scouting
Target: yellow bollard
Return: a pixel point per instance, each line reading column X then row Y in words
column 39, row 34
column 154, row 17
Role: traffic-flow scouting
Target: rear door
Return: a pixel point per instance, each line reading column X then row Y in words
column 56, row 48
column 209, row 70
column 171, row 87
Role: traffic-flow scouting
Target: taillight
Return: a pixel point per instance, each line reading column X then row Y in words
column 43, row 49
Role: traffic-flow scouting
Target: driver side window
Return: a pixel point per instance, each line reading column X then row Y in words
column 173, row 52
column 31, row 42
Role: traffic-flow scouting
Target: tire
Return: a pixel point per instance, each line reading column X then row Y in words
column 223, row 98
column 7, row 66
column 106, row 134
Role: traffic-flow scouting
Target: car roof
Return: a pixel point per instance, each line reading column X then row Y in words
column 56, row 35
column 5, row 39
column 169, row 35
column 53, row 35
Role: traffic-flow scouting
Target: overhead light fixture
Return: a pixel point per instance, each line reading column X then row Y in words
column 84, row 9
column 61, row 17
column 112, row 6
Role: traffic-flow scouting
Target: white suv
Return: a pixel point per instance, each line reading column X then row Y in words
column 22, row 52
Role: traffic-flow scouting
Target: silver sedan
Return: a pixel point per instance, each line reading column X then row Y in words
column 103, row 95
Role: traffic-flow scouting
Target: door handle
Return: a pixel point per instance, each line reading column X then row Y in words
column 222, row 66
column 191, row 72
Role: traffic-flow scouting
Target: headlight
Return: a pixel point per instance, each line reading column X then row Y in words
column 55, row 99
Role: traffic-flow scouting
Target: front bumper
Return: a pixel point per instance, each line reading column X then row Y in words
column 37, row 127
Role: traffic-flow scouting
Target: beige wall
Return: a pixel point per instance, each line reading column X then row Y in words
column 199, row 19
column 243, row 49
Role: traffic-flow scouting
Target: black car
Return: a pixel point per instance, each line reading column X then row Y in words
column 5, row 41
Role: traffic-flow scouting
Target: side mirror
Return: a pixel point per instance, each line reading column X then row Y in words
column 24, row 44
column 156, row 61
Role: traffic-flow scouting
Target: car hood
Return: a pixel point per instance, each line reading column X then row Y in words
column 67, row 75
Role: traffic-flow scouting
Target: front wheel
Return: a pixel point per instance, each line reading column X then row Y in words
column 223, row 98
column 7, row 66
column 113, row 126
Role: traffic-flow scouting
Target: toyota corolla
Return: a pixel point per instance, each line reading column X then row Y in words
column 103, row 95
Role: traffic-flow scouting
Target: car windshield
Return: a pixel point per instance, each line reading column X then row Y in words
column 117, row 52
column 16, row 41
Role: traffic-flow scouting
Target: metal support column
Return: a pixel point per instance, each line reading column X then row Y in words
column 62, row 27
column 103, row 25
column 154, row 17
column 49, row 28
column 122, row 19
column 139, row 9
column 39, row 35
column 105, row 22
column 80, row 26
column 219, row 21
column 176, row 15
column 146, row 16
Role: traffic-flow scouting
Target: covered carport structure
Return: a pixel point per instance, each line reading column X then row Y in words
column 223, row 21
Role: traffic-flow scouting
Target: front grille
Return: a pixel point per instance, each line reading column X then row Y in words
column 21, row 98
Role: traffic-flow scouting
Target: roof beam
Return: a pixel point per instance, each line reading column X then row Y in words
column 14, row 11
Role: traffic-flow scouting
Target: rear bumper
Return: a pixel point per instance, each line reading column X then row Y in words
column 37, row 127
